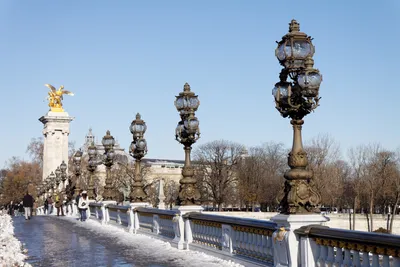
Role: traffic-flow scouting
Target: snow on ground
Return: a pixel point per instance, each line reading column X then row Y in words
column 11, row 251
column 150, row 247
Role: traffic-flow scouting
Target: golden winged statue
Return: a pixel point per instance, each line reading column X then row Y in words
column 55, row 97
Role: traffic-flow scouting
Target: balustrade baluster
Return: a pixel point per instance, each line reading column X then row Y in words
column 356, row 258
column 339, row 256
column 330, row 258
column 270, row 247
column 365, row 261
column 375, row 260
column 386, row 261
column 259, row 246
column 323, row 250
column 347, row 258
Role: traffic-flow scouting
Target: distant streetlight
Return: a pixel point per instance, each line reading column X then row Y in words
column 63, row 168
column 108, row 143
column 91, row 167
column 296, row 98
column 138, row 150
column 187, row 132
column 77, row 160
column 58, row 176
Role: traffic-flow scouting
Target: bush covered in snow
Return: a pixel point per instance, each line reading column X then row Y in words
column 11, row 250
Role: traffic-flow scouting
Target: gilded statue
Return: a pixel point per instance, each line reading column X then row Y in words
column 55, row 97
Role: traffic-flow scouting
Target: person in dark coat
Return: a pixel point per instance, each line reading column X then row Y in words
column 28, row 205
column 11, row 209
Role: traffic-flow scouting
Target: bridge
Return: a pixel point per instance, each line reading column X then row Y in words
column 249, row 242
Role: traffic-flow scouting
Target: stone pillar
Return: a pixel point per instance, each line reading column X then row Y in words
column 161, row 196
column 287, row 252
column 55, row 131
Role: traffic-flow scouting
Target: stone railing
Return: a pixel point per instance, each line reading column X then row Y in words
column 253, row 242
column 248, row 239
column 323, row 246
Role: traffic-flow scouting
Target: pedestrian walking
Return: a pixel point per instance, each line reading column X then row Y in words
column 59, row 204
column 46, row 206
column 83, row 205
column 50, row 204
column 11, row 209
column 28, row 205
column 77, row 203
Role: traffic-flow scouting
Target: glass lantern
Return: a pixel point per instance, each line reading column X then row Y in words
column 138, row 127
column 294, row 47
column 281, row 91
column 63, row 167
column 186, row 100
column 92, row 151
column 309, row 80
column 191, row 124
column 108, row 140
column 78, row 157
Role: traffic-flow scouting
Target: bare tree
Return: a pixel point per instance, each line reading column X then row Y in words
column 35, row 150
column 262, row 168
column 216, row 164
column 324, row 155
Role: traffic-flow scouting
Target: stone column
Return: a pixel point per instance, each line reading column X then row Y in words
column 55, row 132
column 161, row 196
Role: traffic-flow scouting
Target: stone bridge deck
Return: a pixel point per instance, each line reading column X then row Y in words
column 64, row 241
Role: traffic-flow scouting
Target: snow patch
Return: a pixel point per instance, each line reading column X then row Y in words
column 11, row 250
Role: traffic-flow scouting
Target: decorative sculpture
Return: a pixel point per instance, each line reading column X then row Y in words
column 55, row 97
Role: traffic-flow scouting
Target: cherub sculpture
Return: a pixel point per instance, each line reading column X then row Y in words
column 55, row 97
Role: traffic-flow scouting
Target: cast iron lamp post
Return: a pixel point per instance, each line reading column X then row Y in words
column 48, row 185
column 92, row 166
column 77, row 169
column 295, row 98
column 138, row 150
column 58, row 177
column 187, row 133
column 108, row 143
column 53, row 182
column 63, row 168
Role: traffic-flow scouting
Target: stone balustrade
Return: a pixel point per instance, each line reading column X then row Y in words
column 324, row 246
column 253, row 242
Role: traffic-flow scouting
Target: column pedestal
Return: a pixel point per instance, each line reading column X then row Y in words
column 179, row 226
column 285, row 242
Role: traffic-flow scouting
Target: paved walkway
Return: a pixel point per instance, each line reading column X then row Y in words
column 56, row 242
column 63, row 241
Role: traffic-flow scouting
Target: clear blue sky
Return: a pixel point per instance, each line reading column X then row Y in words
column 124, row 57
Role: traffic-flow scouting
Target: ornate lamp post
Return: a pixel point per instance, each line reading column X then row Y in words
column 48, row 185
column 63, row 168
column 58, row 177
column 138, row 150
column 77, row 169
column 296, row 95
column 108, row 143
column 187, row 133
column 53, row 182
column 92, row 166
